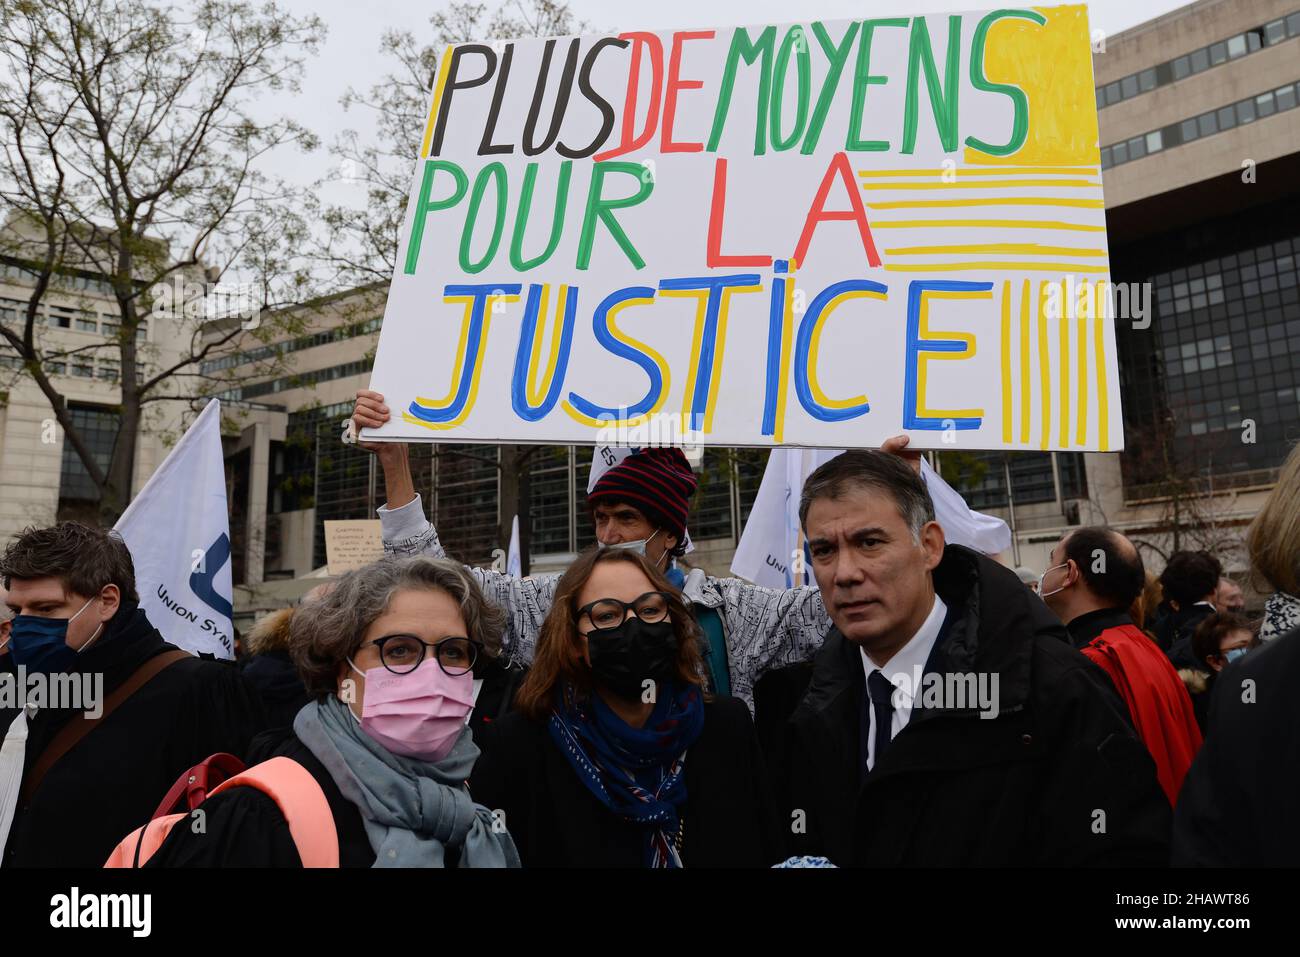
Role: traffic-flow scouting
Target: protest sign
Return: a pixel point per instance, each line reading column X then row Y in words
column 815, row 234
column 352, row 543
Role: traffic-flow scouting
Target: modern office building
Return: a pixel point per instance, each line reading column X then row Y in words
column 41, row 477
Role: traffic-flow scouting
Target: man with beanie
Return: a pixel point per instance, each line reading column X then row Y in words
column 641, row 503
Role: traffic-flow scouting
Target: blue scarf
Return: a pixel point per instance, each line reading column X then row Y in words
column 638, row 773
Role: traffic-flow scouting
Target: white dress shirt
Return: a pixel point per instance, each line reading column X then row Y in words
column 903, row 671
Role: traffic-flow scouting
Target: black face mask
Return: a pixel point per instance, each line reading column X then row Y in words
column 623, row 658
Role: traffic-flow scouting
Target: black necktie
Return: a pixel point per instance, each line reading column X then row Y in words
column 882, row 713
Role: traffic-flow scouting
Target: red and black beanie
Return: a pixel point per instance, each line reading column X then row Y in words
column 657, row 482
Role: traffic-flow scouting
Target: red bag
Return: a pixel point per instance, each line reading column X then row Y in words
column 192, row 787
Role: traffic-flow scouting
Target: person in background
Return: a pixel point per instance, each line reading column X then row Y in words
column 1229, row 597
column 387, row 656
column 268, row 667
column 1095, row 577
column 1011, row 742
column 1234, row 809
column 1273, row 543
column 616, row 755
column 1028, row 577
column 1189, row 582
column 1217, row 642
column 1145, row 610
column 88, row 774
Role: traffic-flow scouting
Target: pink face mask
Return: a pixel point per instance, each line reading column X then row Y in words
column 419, row 714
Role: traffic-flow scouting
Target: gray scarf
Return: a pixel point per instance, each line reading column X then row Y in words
column 1281, row 614
column 412, row 809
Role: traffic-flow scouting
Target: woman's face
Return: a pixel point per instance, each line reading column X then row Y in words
column 611, row 579
column 428, row 614
column 1233, row 639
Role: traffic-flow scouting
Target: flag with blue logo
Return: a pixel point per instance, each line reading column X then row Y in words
column 178, row 532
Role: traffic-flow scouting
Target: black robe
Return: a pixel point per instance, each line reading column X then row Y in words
column 113, row 779
column 555, row 821
column 1235, row 807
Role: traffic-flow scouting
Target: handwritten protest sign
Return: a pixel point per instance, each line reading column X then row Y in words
column 351, row 543
column 814, row 234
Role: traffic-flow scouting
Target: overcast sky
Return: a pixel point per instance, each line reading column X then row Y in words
column 351, row 57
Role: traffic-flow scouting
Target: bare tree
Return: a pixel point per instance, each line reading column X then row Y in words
column 359, row 246
column 129, row 152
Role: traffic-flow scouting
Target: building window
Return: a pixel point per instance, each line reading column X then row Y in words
column 98, row 430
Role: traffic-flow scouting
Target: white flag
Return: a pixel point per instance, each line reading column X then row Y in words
column 772, row 552
column 514, row 566
column 178, row 532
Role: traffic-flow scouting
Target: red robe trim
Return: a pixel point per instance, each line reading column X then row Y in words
column 1157, row 701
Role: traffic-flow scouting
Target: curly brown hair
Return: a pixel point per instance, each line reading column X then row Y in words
column 557, row 659
column 326, row 632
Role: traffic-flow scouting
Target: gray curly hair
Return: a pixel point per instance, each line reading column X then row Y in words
column 329, row 630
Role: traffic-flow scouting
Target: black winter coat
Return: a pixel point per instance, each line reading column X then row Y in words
column 556, row 822
column 112, row 780
column 1236, row 808
column 1058, row 778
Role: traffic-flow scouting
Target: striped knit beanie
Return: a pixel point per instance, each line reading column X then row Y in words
column 657, row 482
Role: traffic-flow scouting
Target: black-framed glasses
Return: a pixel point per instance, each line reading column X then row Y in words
column 610, row 612
column 402, row 654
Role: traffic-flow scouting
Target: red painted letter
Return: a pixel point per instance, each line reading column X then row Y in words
column 713, row 254
column 676, row 84
column 629, row 142
column 818, row 213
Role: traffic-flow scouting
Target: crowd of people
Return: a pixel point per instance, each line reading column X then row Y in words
column 922, row 704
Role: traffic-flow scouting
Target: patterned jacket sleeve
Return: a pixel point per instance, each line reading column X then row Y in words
column 526, row 601
column 768, row 628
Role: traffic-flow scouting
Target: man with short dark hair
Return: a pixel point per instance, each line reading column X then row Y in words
column 1189, row 582
column 1095, row 576
column 93, row 770
column 948, row 721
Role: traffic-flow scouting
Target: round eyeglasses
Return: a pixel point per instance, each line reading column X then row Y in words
column 608, row 613
column 402, row 654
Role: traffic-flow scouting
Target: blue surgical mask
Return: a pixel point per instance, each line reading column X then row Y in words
column 41, row 644
column 1232, row 654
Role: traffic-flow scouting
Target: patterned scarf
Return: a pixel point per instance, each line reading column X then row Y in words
column 638, row 773
column 1281, row 614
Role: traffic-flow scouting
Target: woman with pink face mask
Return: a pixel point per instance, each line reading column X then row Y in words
column 388, row 656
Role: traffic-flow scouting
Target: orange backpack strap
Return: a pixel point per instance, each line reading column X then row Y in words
column 295, row 792
column 301, row 801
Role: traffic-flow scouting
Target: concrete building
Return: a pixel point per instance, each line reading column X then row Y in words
column 41, row 477
column 1200, row 138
